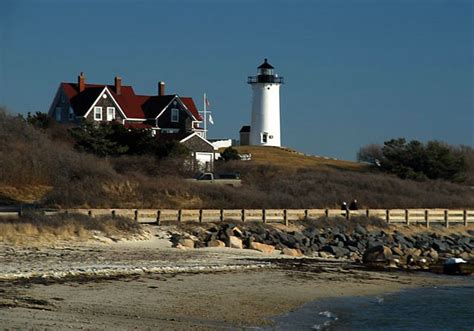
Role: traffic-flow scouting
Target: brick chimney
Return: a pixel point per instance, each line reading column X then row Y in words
column 81, row 82
column 118, row 85
column 161, row 88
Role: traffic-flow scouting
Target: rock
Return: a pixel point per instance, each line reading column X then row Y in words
column 433, row 254
column 374, row 243
column 291, row 252
column 215, row 243
column 378, row 254
column 341, row 251
column 234, row 242
column 264, row 248
column 187, row 243
column 306, row 241
column 352, row 248
column 440, row 246
column 335, row 250
column 413, row 251
column 360, row 229
column 237, row 232
column 354, row 256
column 397, row 251
column 325, row 255
column 340, row 237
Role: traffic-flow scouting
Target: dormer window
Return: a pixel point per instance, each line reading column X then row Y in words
column 98, row 113
column 174, row 115
column 110, row 113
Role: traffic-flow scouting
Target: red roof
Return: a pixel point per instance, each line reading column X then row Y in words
column 134, row 106
column 138, row 125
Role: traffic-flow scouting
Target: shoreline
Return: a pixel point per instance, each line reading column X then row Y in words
column 199, row 300
column 147, row 284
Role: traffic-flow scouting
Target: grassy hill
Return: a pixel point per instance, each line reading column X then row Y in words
column 37, row 167
column 292, row 159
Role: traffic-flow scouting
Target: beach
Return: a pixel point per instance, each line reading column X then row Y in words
column 146, row 284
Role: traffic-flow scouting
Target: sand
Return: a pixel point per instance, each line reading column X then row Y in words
column 148, row 285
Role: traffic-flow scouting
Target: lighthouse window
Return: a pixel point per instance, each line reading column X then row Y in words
column 174, row 115
column 264, row 137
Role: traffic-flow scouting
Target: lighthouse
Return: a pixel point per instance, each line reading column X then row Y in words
column 265, row 125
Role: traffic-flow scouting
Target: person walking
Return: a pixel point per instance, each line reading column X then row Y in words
column 344, row 206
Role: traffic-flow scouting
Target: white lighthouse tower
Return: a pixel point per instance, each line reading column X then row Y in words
column 265, row 126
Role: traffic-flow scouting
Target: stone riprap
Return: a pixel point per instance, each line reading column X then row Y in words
column 384, row 246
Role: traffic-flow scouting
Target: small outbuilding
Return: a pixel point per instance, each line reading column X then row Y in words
column 245, row 135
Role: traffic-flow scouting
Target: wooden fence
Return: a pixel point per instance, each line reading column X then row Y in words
column 427, row 217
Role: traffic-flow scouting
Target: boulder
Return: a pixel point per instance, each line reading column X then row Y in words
column 360, row 229
column 335, row 250
column 413, row 251
column 355, row 256
column 397, row 251
column 378, row 254
column 215, row 243
column 340, row 252
column 186, row 243
column 264, row 248
column 291, row 252
column 433, row 254
column 234, row 242
column 440, row 246
column 374, row 243
column 325, row 255
column 352, row 248
column 237, row 232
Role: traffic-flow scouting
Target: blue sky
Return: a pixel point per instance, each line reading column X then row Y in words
column 356, row 72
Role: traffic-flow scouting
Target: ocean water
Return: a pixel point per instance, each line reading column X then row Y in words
column 427, row 308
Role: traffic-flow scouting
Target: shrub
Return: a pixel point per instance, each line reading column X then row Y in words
column 230, row 154
column 418, row 161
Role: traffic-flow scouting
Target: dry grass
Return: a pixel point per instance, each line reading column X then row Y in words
column 38, row 229
column 25, row 193
column 36, row 169
column 291, row 159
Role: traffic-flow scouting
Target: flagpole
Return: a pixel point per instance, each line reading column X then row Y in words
column 205, row 117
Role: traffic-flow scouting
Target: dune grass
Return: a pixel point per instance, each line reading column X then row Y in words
column 32, row 228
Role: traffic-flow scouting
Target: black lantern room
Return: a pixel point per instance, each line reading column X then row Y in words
column 265, row 74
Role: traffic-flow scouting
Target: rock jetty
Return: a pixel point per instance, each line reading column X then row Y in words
column 367, row 241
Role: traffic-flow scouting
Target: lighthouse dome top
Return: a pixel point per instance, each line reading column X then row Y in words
column 265, row 65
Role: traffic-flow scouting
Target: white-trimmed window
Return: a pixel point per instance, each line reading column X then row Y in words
column 57, row 114
column 174, row 115
column 264, row 137
column 98, row 113
column 110, row 113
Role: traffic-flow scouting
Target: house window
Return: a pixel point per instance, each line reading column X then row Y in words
column 71, row 114
column 110, row 113
column 98, row 113
column 57, row 114
column 264, row 137
column 174, row 115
